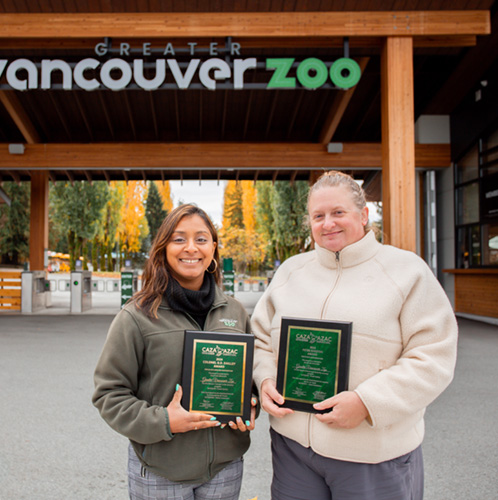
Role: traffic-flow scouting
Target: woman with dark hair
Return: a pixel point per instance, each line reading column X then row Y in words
column 173, row 453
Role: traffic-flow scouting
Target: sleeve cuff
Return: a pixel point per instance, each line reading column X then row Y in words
column 169, row 434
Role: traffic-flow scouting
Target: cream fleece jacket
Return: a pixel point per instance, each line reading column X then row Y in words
column 403, row 348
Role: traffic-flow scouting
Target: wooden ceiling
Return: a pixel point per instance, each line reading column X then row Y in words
column 200, row 134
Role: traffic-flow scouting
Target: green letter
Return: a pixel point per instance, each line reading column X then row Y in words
column 348, row 65
column 304, row 77
column 280, row 78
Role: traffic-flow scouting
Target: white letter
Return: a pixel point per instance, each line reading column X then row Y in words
column 78, row 74
column 235, row 49
column 124, row 49
column 169, row 50
column 17, row 84
column 192, row 47
column 213, row 49
column 3, row 63
column 101, row 49
column 183, row 81
column 120, row 83
column 222, row 71
column 138, row 74
column 47, row 66
column 239, row 66
column 146, row 49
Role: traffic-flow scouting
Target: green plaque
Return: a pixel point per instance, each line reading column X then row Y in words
column 313, row 361
column 217, row 374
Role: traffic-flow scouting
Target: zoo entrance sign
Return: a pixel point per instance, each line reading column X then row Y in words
column 118, row 73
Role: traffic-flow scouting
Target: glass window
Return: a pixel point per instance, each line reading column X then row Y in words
column 490, row 244
column 467, row 168
column 468, row 204
column 476, row 188
column 469, row 247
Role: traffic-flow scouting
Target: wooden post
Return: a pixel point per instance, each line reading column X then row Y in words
column 398, row 143
column 38, row 228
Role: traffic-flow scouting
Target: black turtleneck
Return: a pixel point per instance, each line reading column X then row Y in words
column 192, row 302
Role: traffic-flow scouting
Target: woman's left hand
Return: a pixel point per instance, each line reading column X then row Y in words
column 348, row 410
column 245, row 426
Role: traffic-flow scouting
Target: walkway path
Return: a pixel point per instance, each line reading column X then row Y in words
column 55, row 446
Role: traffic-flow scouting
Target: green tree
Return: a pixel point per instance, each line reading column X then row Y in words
column 78, row 209
column 154, row 211
column 265, row 222
column 289, row 213
column 14, row 224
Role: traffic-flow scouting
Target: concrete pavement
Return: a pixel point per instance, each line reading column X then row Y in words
column 54, row 444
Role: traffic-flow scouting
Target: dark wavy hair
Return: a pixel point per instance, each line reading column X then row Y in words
column 157, row 271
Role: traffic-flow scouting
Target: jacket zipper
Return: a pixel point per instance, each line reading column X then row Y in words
column 339, row 273
column 210, row 431
column 211, row 452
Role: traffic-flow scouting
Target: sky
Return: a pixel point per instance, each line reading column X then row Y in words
column 208, row 196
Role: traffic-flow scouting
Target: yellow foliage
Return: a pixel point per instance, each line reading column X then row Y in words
column 165, row 191
column 249, row 199
column 239, row 239
column 133, row 226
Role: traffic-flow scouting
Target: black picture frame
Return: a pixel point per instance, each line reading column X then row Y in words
column 215, row 379
column 307, row 373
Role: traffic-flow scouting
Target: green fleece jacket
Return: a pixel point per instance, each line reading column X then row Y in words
column 136, row 377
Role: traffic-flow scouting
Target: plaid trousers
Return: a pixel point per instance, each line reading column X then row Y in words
column 145, row 485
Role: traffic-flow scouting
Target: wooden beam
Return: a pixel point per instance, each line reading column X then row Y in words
column 38, row 233
column 398, row 143
column 180, row 155
column 19, row 116
column 337, row 42
column 15, row 176
column 150, row 25
column 338, row 108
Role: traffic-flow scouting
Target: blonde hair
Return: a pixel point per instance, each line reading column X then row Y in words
column 333, row 178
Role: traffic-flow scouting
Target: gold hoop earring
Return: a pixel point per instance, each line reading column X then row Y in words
column 215, row 267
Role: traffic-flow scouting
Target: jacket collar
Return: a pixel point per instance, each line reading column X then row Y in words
column 351, row 255
column 219, row 299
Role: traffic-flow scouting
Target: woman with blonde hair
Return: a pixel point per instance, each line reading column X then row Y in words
column 366, row 445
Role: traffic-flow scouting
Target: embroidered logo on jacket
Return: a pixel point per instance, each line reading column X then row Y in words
column 228, row 322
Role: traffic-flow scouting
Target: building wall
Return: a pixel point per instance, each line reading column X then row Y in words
column 435, row 129
column 446, row 230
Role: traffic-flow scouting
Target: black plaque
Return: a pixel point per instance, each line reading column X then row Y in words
column 313, row 361
column 217, row 374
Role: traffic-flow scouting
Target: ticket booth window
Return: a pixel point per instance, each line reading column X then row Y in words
column 476, row 205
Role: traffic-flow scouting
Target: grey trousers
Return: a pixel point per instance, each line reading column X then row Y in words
column 145, row 485
column 301, row 474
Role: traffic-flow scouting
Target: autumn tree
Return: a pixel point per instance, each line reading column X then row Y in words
column 105, row 238
column 14, row 224
column 133, row 226
column 164, row 189
column 240, row 241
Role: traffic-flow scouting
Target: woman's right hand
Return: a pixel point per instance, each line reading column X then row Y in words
column 181, row 420
column 270, row 396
